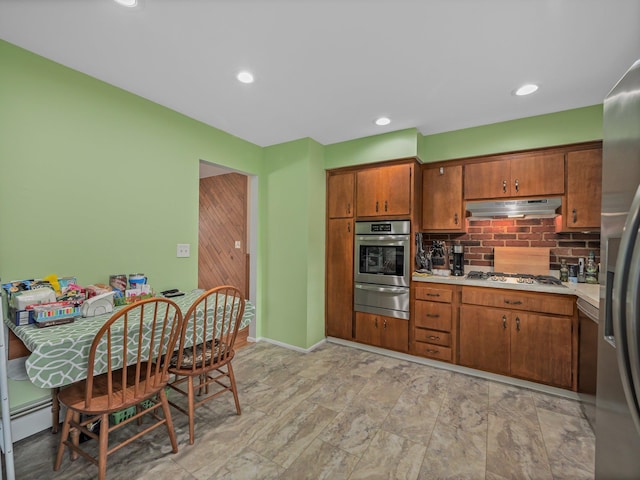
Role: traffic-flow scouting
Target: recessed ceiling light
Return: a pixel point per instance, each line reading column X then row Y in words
column 382, row 121
column 526, row 89
column 127, row 3
column 245, row 77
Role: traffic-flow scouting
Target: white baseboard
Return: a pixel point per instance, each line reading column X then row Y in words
column 286, row 345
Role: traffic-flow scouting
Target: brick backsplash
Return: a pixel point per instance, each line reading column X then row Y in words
column 483, row 235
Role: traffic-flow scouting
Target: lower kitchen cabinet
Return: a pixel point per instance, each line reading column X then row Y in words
column 435, row 314
column 339, row 279
column 518, row 341
column 382, row 331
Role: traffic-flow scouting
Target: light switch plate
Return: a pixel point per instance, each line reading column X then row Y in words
column 183, row 250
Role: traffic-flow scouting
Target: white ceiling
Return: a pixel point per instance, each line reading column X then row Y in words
column 326, row 68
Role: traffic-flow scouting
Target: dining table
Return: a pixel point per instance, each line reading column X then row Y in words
column 59, row 354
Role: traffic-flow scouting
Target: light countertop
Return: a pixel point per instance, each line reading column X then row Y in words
column 588, row 292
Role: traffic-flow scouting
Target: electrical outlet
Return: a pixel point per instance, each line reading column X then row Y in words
column 238, row 244
column 183, row 250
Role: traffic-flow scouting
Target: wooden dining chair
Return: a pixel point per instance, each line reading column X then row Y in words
column 127, row 365
column 205, row 350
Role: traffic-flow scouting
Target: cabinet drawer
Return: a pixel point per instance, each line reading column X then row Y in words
column 434, row 294
column 517, row 300
column 436, row 316
column 433, row 351
column 433, row 336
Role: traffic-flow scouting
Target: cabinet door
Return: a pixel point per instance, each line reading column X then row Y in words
column 396, row 190
column 541, row 348
column 484, row 338
column 442, row 205
column 537, row 174
column 487, row 180
column 367, row 188
column 339, row 279
column 584, row 189
column 394, row 334
column 340, row 195
column 368, row 328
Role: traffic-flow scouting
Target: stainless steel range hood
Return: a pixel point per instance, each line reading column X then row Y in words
column 538, row 208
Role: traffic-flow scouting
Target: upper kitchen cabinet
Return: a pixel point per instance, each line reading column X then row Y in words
column 340, row 198
column 442, row 203
column 384, row 191
column 524, row 175
column 581, row 208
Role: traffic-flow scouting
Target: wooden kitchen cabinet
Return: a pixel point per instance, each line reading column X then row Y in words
column 435, row 319
column 524, row 175
column 384, row 191
column 341, row 193
column 526, row 335
column 382, row 331
column 339, row 279
column 442, row 203
column 582, row 202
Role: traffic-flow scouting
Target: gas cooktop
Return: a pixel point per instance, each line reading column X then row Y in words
column 521, row 278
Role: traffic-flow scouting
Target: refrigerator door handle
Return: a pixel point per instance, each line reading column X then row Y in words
column 625, row 311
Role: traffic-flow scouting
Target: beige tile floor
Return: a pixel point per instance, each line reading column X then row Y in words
column 344, row 413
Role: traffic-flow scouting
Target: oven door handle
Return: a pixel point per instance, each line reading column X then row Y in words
column 380, row 289
column 382, row 238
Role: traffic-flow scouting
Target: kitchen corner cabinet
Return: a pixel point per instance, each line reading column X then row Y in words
column 340, row 200
column 442, row 204
column 527, row 175
column 382, row 331
column 582, row 203
column 529, row 335
column 384, row 191
column 435, row 319
column 339, row 279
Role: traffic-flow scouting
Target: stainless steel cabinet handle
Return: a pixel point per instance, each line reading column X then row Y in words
column 575, row 215
column 517, row 186
column 504, row 186
column 385, row 324
column 433, row 294
column 513, row 302
column 429, row 350
column 518, row 324
column 455, row 218
column 348, row 208
column 504, row 322
column 376, row 206
column 385, row 205
column 349, row 227
column 433, row 337
column 432, row 315
column 376, row 322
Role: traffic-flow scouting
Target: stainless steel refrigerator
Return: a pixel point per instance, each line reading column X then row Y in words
column 618, row 384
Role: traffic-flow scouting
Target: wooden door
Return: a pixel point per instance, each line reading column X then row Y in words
column 340, row 195
column 222, row 223
column 541, row 348
column 487, row 180
column 339, row 279
column 537, row 174
column 368, row 328
column 442, row 205
column 396, row 190
column 484, row 338
column 584, row 189
column 394, row 334
column 367, row 192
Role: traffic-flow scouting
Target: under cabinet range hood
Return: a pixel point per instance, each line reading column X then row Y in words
column 537, row 208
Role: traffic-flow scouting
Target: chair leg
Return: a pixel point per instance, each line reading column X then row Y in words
column 191, row 399
column 168, row 420
column 64, row 435
column 75, row 435
column 104, row 447
column 234, row 389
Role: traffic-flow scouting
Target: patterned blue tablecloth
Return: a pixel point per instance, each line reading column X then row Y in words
column 59, row 354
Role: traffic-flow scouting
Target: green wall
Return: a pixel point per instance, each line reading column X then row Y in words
column 561, row 128
column 95, row 181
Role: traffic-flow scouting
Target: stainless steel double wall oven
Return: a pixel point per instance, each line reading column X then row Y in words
column 383, row 268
